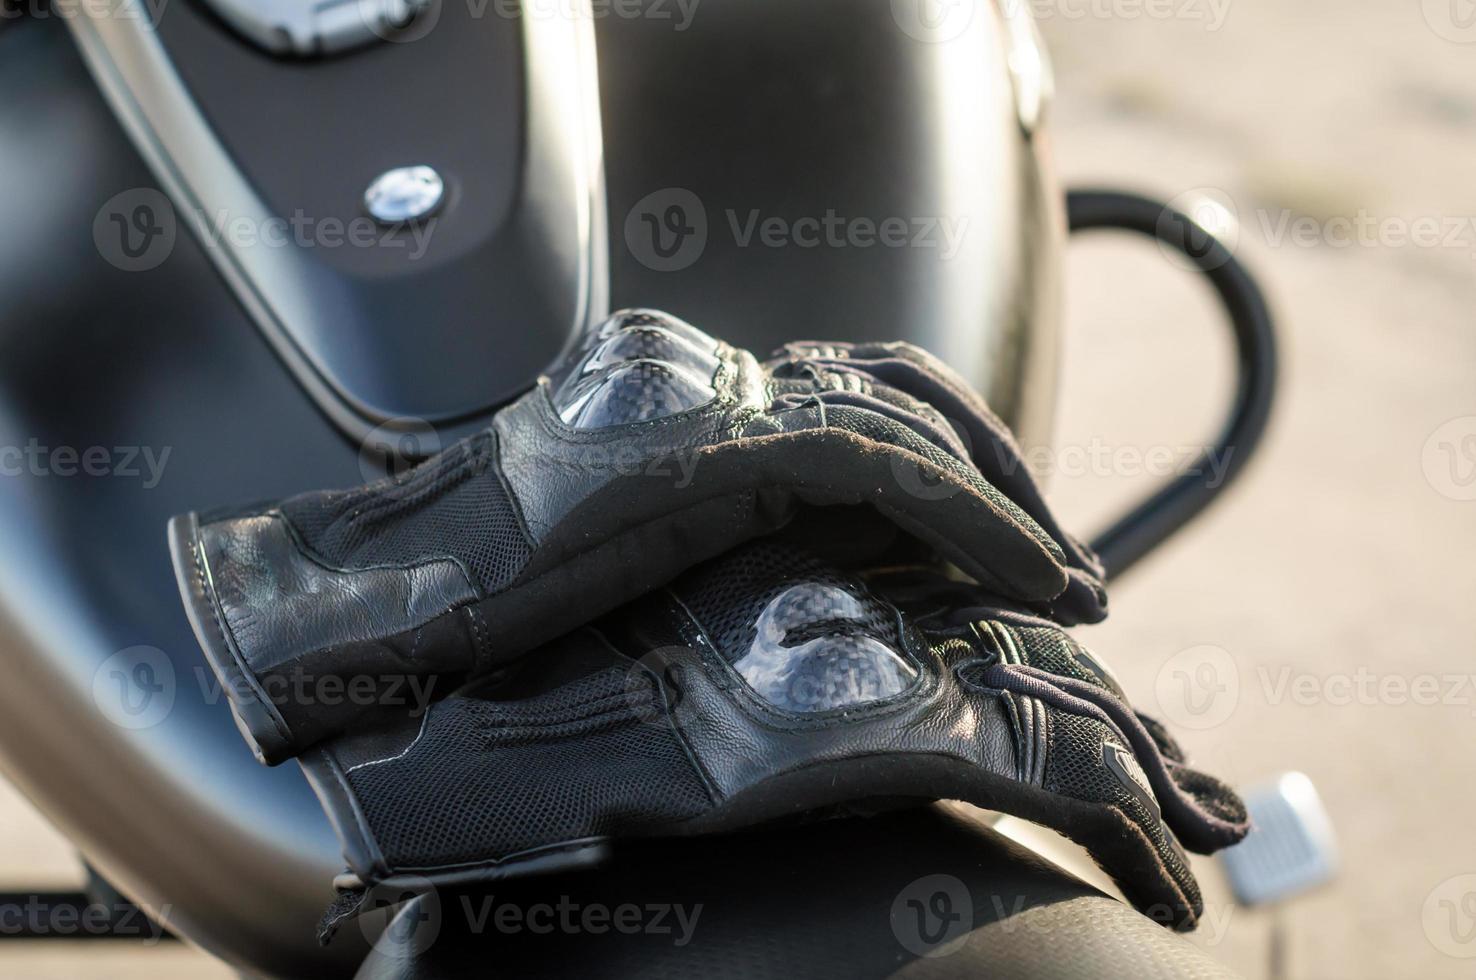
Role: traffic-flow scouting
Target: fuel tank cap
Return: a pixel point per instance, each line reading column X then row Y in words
column 404, row 194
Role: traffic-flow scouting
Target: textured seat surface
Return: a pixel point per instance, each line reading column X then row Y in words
column 923, row 892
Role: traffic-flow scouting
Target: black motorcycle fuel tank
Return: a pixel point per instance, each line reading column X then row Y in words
column 764, row 110
column 432, row 310
column 758, row 183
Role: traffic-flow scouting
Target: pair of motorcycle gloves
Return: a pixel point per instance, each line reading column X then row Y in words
column 675, row 590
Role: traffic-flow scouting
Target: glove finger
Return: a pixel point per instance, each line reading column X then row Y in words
column 504, row 778
column 1053, row 656
column 850, row 454
column 1168, row 746
column 301, row 648
column 923, row 378
column 1211, row 794
column 1202, row 828
column 1117, row 818
column 905, row 410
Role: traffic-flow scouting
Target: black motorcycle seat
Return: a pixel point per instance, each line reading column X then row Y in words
column 925, row 892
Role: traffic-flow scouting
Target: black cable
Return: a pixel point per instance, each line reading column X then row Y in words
column 1147, row 526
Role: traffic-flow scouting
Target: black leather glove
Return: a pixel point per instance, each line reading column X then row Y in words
column 652, row 449
column 762, row 685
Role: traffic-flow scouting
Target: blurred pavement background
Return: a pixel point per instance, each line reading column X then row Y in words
column 1338, row 577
